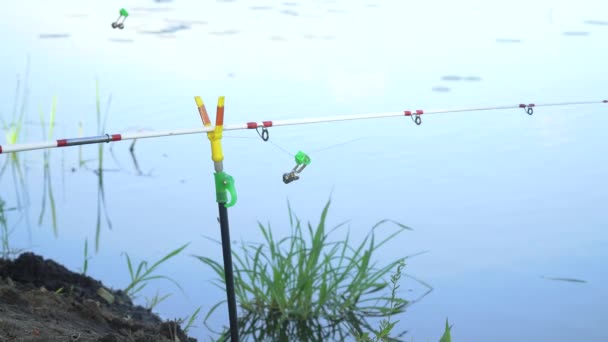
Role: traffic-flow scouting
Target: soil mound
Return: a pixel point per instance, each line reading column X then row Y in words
column 41, row 300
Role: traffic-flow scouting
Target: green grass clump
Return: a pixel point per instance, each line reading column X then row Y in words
column 310, row 288
column 86, row 258
column 144, row 274
column 189, row 320
column 151, row 303
column 5, row 232
column 447, row 336
column 386, row 325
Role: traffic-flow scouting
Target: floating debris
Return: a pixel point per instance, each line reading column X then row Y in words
column 170, row 29
column 441, row 89
column 576, row 33
column 224, row 33
column 167, row 36
column 152, row 9
column 54, row 35
column 259, row 8
column 451, row 78
column 186, row 22
column 289, row 12
column 596, row 22
column 472, row 78
column 312, row 36
column 506, row 40
column 570, row 280
column 121, row 40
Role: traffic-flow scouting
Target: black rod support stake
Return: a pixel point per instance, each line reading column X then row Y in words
column 228, row 272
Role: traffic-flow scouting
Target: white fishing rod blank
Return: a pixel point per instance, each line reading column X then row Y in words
column 414, row 114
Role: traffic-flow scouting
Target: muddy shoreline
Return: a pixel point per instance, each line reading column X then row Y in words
column 41, row 300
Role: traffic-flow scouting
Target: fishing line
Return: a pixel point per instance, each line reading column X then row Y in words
column 338, row 145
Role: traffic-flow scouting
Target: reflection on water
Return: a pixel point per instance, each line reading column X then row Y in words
column 568, row 280
column 47, row 183
column 102, row 210
column 14, row 132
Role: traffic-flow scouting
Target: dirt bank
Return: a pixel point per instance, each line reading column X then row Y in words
column 41, row 300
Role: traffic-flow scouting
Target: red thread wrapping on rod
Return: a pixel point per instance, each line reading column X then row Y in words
column 267, row 123
column 116, row 137
column 407, row 113
column 521, row 105
column 419, row 111
column 62, row 142
column 252, row 125
column 0, row 149
column 531, row 105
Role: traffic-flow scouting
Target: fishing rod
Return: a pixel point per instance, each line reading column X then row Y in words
column 414, row 114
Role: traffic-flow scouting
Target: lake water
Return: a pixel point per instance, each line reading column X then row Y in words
column 499, row 199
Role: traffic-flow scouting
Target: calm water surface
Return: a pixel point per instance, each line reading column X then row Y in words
column 498, row 199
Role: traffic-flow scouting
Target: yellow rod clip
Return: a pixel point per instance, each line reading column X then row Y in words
column 202, row 111
column 215, row 136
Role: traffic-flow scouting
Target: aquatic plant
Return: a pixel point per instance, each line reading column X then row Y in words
column 13, row 130
column 47, row 185
column 101, row 197
column 6, row 231
column 299, row 288
column 386, row 326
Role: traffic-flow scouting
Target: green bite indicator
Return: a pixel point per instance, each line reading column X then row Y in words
column 123, row 15
column 302, row 160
